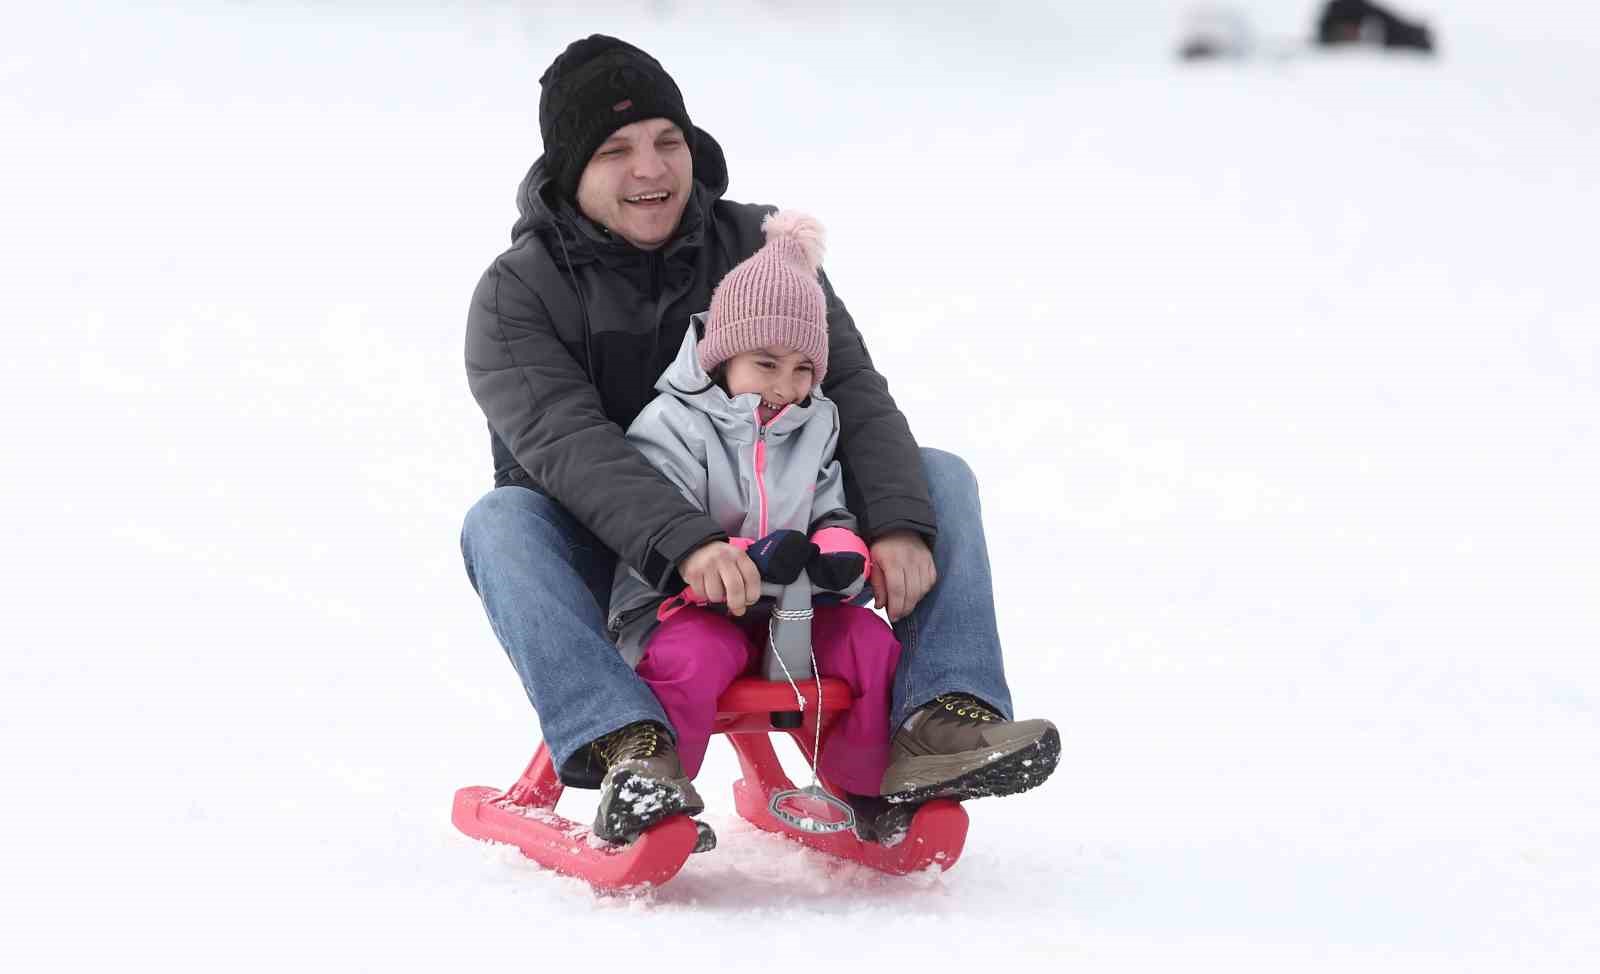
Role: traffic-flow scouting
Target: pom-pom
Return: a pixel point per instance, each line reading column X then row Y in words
column 802, row 228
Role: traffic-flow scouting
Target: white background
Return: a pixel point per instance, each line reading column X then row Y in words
column 1279, row 378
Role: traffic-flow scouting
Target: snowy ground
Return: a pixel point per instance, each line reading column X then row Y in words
column 1281, row 380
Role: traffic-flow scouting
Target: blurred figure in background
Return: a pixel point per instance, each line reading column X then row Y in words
column 1359, row 22
column 1213, row 31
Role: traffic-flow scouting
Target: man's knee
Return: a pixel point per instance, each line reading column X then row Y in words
column 511, row 522
column 948, row 473
column 507, row 510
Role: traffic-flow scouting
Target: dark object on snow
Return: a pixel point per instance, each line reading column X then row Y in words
column 1360, row 22
column 1212, row 32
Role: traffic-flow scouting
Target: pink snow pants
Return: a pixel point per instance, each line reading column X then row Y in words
column 692, row 657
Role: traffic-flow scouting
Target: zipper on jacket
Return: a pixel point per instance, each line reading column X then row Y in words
column 761, row 470
column 657, row 273
column 761, row 462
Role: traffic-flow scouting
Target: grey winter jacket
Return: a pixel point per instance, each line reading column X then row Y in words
column 751, row 480
column 568, row 331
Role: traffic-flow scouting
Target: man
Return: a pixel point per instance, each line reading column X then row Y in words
column 623, row 234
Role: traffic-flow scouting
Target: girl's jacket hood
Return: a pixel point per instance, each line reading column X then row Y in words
column 734, row 417
column 751, row 480
column 540, row 209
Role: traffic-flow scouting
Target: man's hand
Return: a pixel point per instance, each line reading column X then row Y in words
column 722, row 573
column 902, row 572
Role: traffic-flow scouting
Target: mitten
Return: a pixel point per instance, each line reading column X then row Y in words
column 841, row 562
column 835, row 571
column 781, row 556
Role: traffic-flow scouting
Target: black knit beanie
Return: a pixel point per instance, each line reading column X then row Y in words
column 594, row 87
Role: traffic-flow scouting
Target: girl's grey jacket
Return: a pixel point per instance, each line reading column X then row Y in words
column 751, row 480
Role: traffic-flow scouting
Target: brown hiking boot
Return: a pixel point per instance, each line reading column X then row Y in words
column 644, row 782
column 956, row 747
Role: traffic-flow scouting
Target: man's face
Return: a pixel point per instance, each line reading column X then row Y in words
column 637, row 183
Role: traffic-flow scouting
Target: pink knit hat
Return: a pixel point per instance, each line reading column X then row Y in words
column 773, row 298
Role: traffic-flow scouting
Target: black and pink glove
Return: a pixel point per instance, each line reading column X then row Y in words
column 841, row 561
column 781, row 556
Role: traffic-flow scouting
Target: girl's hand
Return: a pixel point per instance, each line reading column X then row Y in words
column 722, row 573
column 902, row 572
column 781, row 556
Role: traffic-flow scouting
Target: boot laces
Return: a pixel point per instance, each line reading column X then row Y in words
column 635, row 741
column 969, row 707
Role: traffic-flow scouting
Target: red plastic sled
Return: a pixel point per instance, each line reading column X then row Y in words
column 524, row 815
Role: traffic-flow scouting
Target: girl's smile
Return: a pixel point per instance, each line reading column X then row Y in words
column 780, row 376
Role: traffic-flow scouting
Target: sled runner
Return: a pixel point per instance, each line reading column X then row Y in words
column 748, row 713
column 524, row 815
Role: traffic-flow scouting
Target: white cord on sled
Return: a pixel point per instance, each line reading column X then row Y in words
column 815, row 789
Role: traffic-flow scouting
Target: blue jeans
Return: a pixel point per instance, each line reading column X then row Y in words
column 545, row 582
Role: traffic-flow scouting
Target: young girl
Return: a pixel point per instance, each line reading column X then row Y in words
column 743, row 429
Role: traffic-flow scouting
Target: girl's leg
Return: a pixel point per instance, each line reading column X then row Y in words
column 688, row 662
column 857, row 646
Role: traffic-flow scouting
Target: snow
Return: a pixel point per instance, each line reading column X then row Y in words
column 1279, row 377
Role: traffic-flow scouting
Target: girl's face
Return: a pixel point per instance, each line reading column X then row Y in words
column 779, row 375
